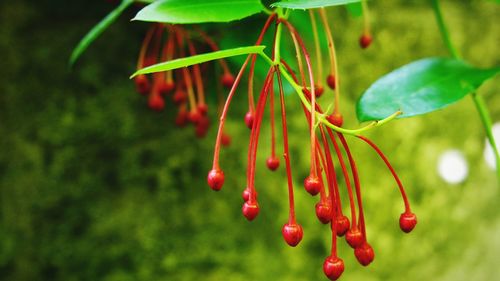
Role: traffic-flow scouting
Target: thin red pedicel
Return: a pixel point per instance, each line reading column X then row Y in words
column 215, row 166
column 312, row 179
column 249, row 116
column 333, row 61
column 291, row 231
column 366, row 38
column 202, row 106
column 319, row 58
column 407, row 220
column 250, row 208
column 272, row 161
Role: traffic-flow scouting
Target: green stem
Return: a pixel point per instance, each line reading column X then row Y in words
column 444, row 31
column 321, row 117
column 478, row 100
column 486, row 120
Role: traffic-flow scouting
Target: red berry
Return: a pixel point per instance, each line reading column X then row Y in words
column 202, row 126
column 330, row 80
column 166, row 87
column 272, row 163
column 342, row 224
column 181, row 119
column 225, row 140
column 354, row 237
column 324, row 212
column 194, row 116
column 319, row 90
column 336, row 119
column 249, row 119
column 142, row 84
column 333, row 267
column 407, row 222
column 246, row 194
column 250, row 211
column 292, row 233
column 179, row 97
column 312, row 185
column 227, row 80
column 364, row 254
column 215, row 179
column 156, row 102
column 202, row 108
column 365, row 40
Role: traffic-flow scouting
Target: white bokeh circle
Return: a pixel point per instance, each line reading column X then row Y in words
column 452, row 166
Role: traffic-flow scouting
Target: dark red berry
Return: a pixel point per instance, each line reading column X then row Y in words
column 292, row 233
column 156, row 102
column 272, row 163
column 336, row 119
column 181, row 119
column 333, row 267
column 202, row 108
column 324, row 212
column 179, row 97
column 202, row 125
column 354, row 237
column 227, row 80
column 215, row 179
column 250, row 211
column 225, row 139
column 342, row 225
column 166, row 87
column 142, row 84
column 364, row 254
column 407, row 222
column 365, row 40
column 194, row 116
column 330, row 80
column 319, row 90
column 249, row 116
column 312, row 185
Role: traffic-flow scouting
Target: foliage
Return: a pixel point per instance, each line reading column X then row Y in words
column 96, row 187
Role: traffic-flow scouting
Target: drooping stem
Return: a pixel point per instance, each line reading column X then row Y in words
column 251, row 102
column 357, row 184
column 319, row 58
column 197, row 74
column 478, row 101
column 393, row 172
column 254, row 138
column 295, row 35
column 333, row 58
column 286, row 154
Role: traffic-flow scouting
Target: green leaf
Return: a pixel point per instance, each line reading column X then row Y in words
column 421, row 87
column 355, row 9
column 198, row 11
column 97, row 30
column 187, row 61
column 311, row 4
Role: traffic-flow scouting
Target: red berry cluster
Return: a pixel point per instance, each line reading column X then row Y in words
column 328, row 143
column 184, row 86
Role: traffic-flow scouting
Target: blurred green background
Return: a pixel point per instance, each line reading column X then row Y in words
column 94, row 186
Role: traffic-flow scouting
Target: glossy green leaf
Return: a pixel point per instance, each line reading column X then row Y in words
column 187, row 61
column 311, row 4
column 97, row 30
column 421, row 87
column 355, row 9
column 198, row 11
